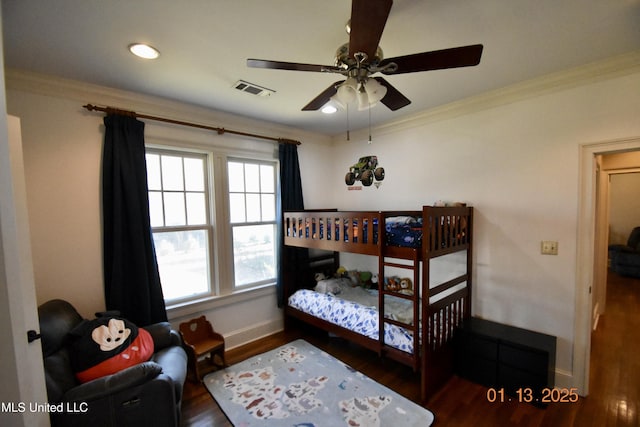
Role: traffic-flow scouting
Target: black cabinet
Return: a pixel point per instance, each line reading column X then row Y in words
column 507, row 357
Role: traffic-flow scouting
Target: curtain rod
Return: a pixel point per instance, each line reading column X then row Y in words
column 220, row 131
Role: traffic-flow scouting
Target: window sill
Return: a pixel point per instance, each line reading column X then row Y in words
column 188, row 308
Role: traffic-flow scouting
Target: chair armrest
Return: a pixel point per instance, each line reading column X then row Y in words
column 163, row 336
column 174, row 365
column 111, row 384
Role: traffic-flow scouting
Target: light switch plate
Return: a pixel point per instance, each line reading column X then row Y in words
column 549, row 247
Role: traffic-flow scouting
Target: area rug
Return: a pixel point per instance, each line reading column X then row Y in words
column 300, row 385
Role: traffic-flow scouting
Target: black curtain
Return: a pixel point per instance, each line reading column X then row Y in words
column 290, row 200
column 131, row 278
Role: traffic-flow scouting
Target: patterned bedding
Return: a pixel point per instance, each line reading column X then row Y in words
column 356, row 309
column 404, row 231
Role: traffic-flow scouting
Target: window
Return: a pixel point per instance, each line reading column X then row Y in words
column 202, row 247
column 180, row 221
column 252, row 215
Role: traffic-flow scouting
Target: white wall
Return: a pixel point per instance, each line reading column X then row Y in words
column 518, row 165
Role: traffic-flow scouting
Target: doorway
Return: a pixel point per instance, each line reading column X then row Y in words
column 617, row 207
column 591, row 248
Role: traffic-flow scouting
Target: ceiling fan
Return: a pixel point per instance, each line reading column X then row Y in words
column 361, row 57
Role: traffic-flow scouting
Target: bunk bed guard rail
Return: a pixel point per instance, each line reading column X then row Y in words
column 335, row 231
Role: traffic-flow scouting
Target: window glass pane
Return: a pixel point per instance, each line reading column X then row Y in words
column 254, row 253
column 267, row 179
column 182, row 262
column 252, row 177
column 253, row 207
column 178, row 198
column 194, row 174
column 254, row 249
column 268, row 207
column 236, row 176
column 155, row 209
column 172, row 173
column 153, row 172
column 174, row 209
column 196, row 209
column 236, row 208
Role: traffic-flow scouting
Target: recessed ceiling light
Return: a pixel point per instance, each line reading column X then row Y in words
column 144, row 51
column 329, row 109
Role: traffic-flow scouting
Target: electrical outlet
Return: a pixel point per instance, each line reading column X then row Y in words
column 549, row 247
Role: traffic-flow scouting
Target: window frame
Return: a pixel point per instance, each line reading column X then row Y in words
column 207, row 227
column 221, row 260
column 231, row 225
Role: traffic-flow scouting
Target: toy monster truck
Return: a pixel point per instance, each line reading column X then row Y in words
column 365, row 171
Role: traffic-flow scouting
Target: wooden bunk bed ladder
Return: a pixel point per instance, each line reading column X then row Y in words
column 446, row 230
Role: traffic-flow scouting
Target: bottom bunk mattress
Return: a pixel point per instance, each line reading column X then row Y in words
column 355, row 308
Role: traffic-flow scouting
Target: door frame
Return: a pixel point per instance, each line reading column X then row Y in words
column 585, row 252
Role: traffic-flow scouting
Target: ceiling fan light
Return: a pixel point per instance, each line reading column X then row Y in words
column 346, row 92
column 375, row 91
column 345, row 95
column 363, row 101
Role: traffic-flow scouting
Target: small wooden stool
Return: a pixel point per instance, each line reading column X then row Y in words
column 199, row 340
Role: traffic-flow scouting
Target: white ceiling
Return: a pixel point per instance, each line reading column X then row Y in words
column 204, row 46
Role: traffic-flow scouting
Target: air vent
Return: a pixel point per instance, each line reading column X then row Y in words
column 253, row 88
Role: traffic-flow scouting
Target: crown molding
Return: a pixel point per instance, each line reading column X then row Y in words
column 83, row 93
column 610, row 68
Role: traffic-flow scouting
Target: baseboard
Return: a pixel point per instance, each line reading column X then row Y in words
column 246, row 335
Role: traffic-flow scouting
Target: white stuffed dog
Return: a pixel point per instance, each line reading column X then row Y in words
column 332, row 286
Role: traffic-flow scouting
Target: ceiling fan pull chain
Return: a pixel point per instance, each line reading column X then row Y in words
column 348, row 125
column 369, row 125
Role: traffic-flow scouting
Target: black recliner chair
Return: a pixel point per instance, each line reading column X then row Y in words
column 625, row 259
column 149, row 393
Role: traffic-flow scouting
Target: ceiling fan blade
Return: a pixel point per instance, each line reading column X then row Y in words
column 394, row 100
column 319, row 101
column 463, row 56
column 294, row 66
column 368, row 18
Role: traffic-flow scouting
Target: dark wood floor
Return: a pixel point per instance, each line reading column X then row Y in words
column 614, row 398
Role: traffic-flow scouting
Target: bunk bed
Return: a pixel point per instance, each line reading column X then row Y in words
column 402, row 240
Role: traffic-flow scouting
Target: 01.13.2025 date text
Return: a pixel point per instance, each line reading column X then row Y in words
column 527, row 395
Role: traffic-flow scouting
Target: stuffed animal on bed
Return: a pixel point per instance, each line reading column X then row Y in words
column 392, row 283
column 341, row 272
column 106, row 345
column 332, row 286
column 365, row 279
column 374, row 281
column 354, row 277
column 406, row 286
column 320, row 276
